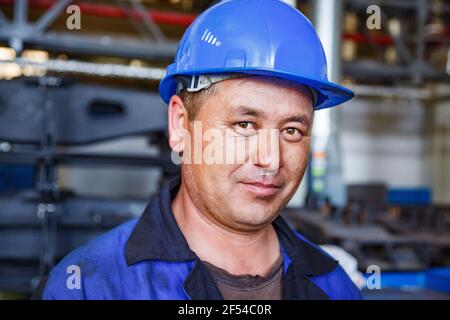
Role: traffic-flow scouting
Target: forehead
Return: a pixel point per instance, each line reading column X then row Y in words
column 271, row 97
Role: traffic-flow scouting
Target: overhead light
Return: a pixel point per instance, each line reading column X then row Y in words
column 35, row 55
column 136, row 63
column 394, row 27
column 10, row 71
column 7, row 53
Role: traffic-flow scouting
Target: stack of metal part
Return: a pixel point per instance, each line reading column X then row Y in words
column 40, row 119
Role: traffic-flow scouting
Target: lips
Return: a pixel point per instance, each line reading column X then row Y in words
column 261, row 188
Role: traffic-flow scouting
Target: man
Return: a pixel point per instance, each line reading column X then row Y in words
column 248, row 74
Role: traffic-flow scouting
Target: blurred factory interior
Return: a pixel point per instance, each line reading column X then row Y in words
column 83, row 141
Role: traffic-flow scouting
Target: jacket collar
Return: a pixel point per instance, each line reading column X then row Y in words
column 157, row 236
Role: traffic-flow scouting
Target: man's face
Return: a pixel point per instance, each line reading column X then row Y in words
column 265, row 126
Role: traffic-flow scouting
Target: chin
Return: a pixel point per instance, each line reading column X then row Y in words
column 254, row 216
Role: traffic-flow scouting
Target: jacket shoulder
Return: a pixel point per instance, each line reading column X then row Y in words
column 336, row 284
column 86, row 272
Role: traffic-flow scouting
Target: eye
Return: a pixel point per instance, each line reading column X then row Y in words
column 244, row 124
column 292, row 134
column 292, row 131
column 245, row 128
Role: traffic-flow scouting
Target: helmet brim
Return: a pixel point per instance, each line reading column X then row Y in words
column 329, row 94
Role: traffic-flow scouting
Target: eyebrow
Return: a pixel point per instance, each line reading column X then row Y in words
column 249, row 111
column 302, row 119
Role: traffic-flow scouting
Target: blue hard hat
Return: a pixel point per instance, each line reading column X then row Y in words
column 255, row 37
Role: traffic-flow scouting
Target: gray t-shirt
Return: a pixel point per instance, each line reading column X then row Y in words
column 249, row 287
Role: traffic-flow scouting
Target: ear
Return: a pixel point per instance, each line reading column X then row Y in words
column 177, row 115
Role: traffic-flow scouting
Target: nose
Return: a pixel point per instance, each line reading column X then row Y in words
column 267, row 154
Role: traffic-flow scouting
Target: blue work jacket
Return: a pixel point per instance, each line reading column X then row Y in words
column 149, row 258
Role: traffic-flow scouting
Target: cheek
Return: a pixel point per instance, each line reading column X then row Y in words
column 295, row 157
column 215, row 177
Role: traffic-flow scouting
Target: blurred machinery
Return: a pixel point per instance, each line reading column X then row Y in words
column 392, row 234
column 398, row 231
column 41, row 118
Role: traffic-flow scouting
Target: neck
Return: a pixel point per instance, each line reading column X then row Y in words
column 235, row 251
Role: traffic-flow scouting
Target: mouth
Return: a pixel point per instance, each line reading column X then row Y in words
column 261, row 189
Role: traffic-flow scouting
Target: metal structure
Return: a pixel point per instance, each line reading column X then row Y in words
column 395, row 236
column 325, row 169
column 37, row 117
column 413, row 64
column 412, row 68
column 20, row 32
column 154, row 46
column 35, row 235
column 89, row 68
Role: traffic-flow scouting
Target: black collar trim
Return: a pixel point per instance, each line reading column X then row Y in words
column 156, row 235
